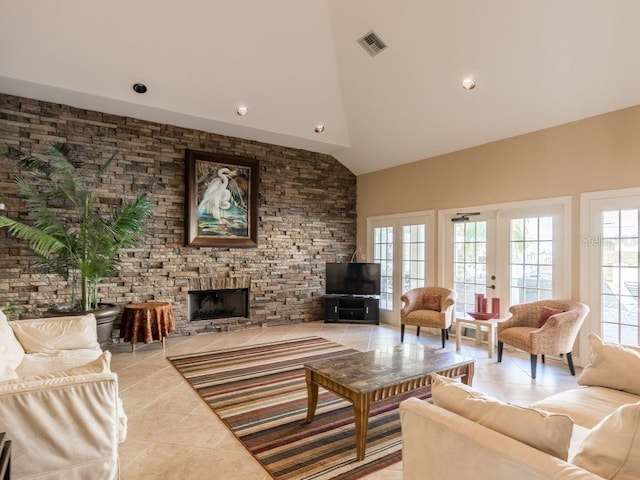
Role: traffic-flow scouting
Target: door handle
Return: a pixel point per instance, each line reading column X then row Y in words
column 491, row 286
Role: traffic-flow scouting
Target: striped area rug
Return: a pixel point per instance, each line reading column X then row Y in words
column 260, row 393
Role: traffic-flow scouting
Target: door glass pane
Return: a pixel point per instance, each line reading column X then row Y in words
column 413, row 266
column 531, row 257
column 469, row 264
column 619, row 274
column 383, row 254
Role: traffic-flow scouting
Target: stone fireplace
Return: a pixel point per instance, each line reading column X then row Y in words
column 218, row 303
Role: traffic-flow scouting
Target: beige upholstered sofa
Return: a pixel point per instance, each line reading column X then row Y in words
column 59, row 401
column 590, row 432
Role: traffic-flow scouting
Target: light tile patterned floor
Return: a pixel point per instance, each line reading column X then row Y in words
column 174, row 435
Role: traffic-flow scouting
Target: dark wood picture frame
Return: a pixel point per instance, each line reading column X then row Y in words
column 221, row 200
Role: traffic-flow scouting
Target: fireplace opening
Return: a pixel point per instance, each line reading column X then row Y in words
column 222, row 303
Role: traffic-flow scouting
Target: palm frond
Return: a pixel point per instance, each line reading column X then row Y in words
column 26, row 160
column 71, row 235
column 59, row 158
column 129, row 224
column 41, row 241
column 105, row 166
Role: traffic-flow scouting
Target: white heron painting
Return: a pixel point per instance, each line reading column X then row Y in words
column 223, row 200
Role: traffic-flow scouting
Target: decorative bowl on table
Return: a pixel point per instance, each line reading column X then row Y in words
column 482, row 315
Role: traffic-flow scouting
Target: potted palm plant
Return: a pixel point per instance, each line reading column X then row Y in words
column 69, row 231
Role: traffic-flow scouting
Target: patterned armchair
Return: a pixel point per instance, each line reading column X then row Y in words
column 543, row 327
column 428, row 307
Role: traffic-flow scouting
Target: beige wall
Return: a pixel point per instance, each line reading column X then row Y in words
column 599, row 153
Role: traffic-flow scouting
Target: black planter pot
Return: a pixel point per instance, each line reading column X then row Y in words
column 105, row 314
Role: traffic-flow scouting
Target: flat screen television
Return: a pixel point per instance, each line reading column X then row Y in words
column 353, row 278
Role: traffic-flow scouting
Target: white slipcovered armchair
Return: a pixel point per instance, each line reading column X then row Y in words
column 59, row 401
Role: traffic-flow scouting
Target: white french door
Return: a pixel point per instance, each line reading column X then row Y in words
column 473, row 256
column 403, row 245
column 517, row 253
column 610, row 258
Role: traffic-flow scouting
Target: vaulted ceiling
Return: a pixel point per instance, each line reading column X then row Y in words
column 297, row 64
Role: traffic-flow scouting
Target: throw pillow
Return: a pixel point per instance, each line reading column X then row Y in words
column 12, row 351
column 431, row 302
column 57, row 333
column 612, row 448
column 548, row 432
column 612, row 366
column 546, row 313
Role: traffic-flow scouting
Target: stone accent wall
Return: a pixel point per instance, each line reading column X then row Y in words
column 307, row 216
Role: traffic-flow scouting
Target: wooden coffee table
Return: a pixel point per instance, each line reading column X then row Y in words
column 368, row 377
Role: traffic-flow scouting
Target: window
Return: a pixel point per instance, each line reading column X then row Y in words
column 531, row 264
column 469, row 264
column 619, row 274
column 383, row 254
column 609, row 262
column 413, row 261
column 516, row 253
column 403, row 245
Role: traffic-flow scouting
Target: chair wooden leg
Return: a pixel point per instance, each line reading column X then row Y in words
column 543, row 358
column 444, row 334
column 402, row 333
column 446, row 331
column 418, row 332
column 570, row 362
column 500, row 347
column 534, row 364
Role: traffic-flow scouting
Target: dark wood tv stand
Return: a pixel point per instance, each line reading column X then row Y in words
column 351, row 309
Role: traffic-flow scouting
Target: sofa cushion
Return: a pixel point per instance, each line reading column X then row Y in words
column 102, row 364
column 10, row 348
column 548, row 432
column 612, row 448
column 587, row 406
column 612, row 366
column 41, row 363
column 57, row 333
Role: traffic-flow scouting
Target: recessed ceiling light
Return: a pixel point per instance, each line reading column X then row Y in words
column 242, row 110
column 319, row 128
column 139, row 87
column 468, row 84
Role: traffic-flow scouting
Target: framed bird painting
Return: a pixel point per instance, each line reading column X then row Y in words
column 221, row 200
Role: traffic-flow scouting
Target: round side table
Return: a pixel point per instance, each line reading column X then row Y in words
column 146, row 321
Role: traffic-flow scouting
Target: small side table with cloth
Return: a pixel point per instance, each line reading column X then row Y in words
column 146, row 321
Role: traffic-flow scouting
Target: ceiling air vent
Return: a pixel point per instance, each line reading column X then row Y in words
column 372, row 43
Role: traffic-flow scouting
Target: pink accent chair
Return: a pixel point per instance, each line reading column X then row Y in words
column 556, row 336
column 414, row 313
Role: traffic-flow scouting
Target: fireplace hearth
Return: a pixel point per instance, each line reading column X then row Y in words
column 216, row 304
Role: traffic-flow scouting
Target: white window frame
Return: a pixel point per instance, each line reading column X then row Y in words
column 427, row 218
column 591, row 204
column 504, row 212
